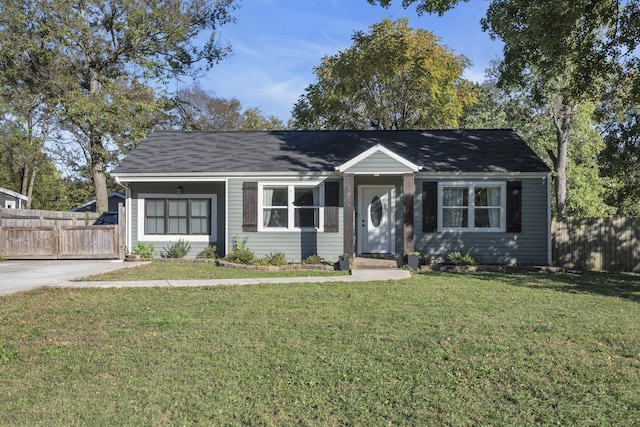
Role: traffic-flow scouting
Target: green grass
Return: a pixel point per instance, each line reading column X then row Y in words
column 196, row 271
column 437, row 349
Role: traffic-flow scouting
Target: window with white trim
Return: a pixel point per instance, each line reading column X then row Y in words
column 472, row 206
column 290, row 206
column 181, row 216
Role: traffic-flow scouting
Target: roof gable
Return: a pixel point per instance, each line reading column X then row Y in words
column 13, row 193
column 378, row 159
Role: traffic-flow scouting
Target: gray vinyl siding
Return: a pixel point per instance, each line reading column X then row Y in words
column 188, row 189
column 296, row 245
column 525, row 248
column 19, row 203
column 378, row 163
column 4, row 197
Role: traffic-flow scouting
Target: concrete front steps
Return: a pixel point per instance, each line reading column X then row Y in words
column 375, row 263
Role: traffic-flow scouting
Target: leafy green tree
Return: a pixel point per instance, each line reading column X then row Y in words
column 391, row 78
column 27, row 116
column 620, row 116
column 254, row 119
column 562, row 51
column 106, row 54
column 587, row 189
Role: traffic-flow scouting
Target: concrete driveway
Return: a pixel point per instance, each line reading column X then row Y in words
column 18, row 276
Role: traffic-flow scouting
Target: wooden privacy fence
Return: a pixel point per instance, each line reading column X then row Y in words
column 37, row 234
column 601, row 244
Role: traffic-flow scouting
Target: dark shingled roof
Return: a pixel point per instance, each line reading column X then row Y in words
column 319, row 151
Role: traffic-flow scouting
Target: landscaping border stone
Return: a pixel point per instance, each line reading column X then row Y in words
column 490, row 268
column 287, row 267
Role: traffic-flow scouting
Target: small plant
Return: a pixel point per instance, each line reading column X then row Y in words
column 414, row 253
column 180, row 249
column 144, row 251
column 208, row 253
column 241, row 254
column 275, row 258
column 460, row 258
column 344, row 255
column 313, row 259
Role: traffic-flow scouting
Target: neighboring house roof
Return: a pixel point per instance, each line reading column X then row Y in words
column 322, row 151
column 13, row 194
column 90, row 205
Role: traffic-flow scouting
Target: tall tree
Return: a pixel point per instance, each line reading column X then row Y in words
column 198, row 110
column 562, row 50
column 27, row 115
column 108, row 52
column 620, row 115
column 393, row 77
column 586, row 195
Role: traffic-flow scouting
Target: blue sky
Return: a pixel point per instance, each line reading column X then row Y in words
column 276, row 44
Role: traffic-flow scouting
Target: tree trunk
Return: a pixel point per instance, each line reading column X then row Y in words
column 98, row 173
column 26, row 174
column 97, row 152
column 32, row 180
column 562, row 115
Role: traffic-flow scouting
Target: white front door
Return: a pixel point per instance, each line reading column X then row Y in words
column 375, row 217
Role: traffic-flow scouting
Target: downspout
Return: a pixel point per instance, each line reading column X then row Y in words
column 127, row 194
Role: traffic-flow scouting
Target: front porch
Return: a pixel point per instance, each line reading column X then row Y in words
column 378, row 221
column 378, row 191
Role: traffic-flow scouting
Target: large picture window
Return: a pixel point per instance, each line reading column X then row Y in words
column 177, row 216
column 472, row 206
column 290, row 207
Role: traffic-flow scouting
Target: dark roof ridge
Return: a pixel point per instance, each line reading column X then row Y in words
column 333, row 130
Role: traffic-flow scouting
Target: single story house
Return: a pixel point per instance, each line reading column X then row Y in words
column 383, row 193
column 11, row 200
column 114, row 199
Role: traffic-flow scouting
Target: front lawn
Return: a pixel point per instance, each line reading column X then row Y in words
column 436, row 349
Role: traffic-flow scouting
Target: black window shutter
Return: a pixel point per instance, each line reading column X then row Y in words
column 514, row 206
column 429, row 207
column 331, row 205
column 250, row 206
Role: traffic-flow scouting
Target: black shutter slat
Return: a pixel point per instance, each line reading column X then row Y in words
column 429, row 207
column 250, row 206
column 514, row 206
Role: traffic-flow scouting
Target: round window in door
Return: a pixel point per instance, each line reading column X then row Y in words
column 376, row 211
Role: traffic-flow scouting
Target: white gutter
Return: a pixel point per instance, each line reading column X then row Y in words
column 127, row 195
